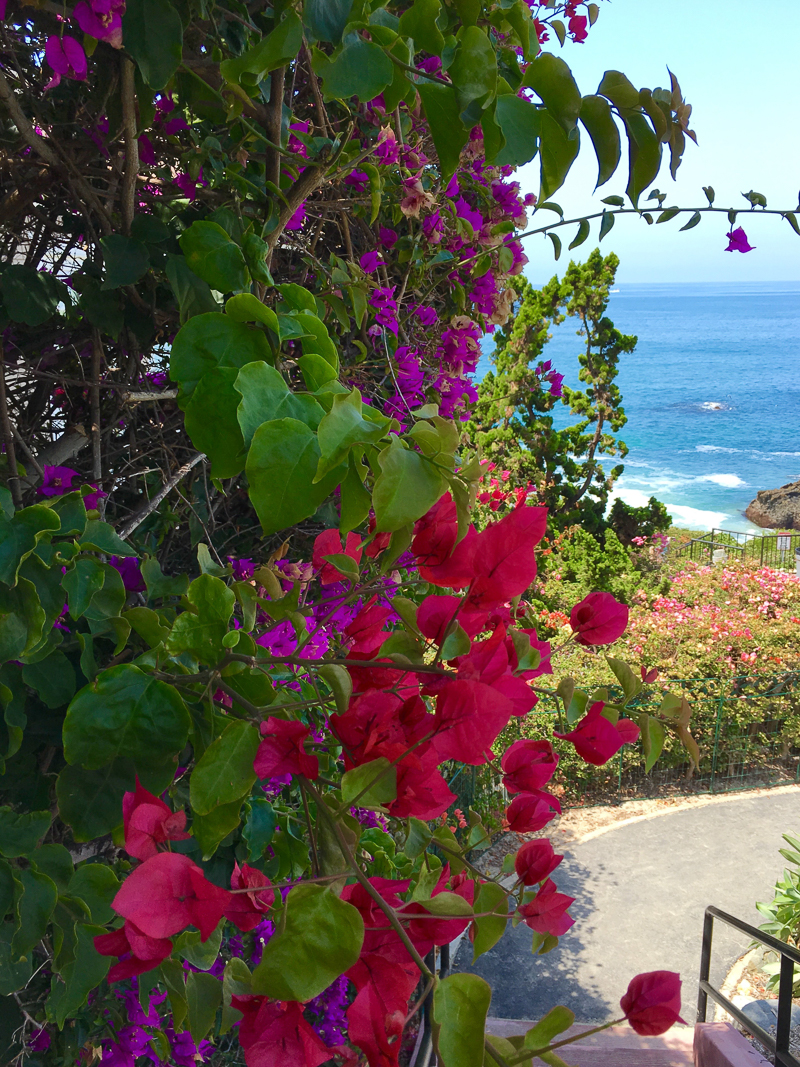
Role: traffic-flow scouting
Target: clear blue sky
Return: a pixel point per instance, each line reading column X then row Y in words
column 738, row 66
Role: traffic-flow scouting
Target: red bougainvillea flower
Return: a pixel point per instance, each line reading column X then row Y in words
column 145, row 952
column 379, row 936
column 547, row 912
column 384, row 976
column 469, row 716
column 167, row 893
column 378, row 544
column 247, row 909
column 596, row 739
column 421, row 789
column 427, row 932
column 148, row 823
column 652, row 1002
column 504, row 563
column 436, row 532
column 737, row 241
column 649, row 676
column 598, row 619
column 492, row 662
column 66, row 57
column 529, row 812
column 282, row 752
column 376, row 719
column 329, row 543
column 378, row 723
column 277, row 1035
column 377, row 1016
column 439, row 559
column 527, row 765
column 536, row 861
column 577, row 28
column 437, row 612
column 366, row 631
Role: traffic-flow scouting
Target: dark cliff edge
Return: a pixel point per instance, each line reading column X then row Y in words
column 776, row 508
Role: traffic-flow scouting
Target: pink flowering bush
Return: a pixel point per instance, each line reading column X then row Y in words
column 720, row 620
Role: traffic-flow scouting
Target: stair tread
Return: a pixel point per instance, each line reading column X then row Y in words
column 628, row 1057
column 619, row 1045
column 622, row 1036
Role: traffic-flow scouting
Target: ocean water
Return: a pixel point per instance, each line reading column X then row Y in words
column 712, row 394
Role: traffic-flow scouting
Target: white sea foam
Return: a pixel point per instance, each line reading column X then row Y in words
column 727, row 481
column 749, row 451
column 713, row 405
column 635, row 497
column 682, row 515
column 696, row 518
column 669, row 482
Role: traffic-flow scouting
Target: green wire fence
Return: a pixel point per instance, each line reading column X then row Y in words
column 747, row 728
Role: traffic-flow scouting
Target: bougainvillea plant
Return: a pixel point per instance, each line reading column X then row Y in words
column 248, row 628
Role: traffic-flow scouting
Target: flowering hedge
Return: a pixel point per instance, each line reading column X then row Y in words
column 721, row 620
column 247, row 621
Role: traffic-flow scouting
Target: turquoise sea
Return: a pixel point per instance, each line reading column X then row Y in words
column 712, row 394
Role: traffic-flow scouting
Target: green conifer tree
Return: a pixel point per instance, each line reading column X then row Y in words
column 513, row 422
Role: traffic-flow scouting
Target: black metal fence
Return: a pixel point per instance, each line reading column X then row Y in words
column 766, row 550
column 778, row 1044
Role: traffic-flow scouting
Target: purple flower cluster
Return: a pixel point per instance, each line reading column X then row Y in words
column 369, row 819
column 329, row 1010
column 547, row 373
column 130, row 571
column 101, row 19
column 133, row 1043
column 385, row 306
column 60, row 480
column 466, row 222
column 241, row 569
column 409, row 385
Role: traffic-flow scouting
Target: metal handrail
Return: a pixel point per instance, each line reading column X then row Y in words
column 421, row 1055
column 779, row 1044
column 688, row 546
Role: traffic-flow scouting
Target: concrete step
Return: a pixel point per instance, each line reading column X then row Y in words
column 618, row 1047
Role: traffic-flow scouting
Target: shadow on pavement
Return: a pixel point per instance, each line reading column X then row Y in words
column 525, row 986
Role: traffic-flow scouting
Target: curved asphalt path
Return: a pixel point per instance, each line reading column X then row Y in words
column 641, row 890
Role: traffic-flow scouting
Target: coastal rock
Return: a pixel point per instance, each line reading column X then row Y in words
column 776, row 508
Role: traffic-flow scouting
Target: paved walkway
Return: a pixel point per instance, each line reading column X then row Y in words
column 641, row 890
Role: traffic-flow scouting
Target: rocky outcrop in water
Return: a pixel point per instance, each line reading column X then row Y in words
column 776, row 509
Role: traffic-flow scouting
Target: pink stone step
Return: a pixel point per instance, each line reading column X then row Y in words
column 617, row 1047
column 720, row 1045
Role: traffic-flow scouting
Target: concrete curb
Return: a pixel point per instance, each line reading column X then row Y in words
column 693, row 802
column 731, row 984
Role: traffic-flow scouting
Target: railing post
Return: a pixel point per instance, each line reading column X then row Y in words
column 705, row 965
column 619, row 778
column 762, row 550
column 715, row 750
column 784, row 1007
